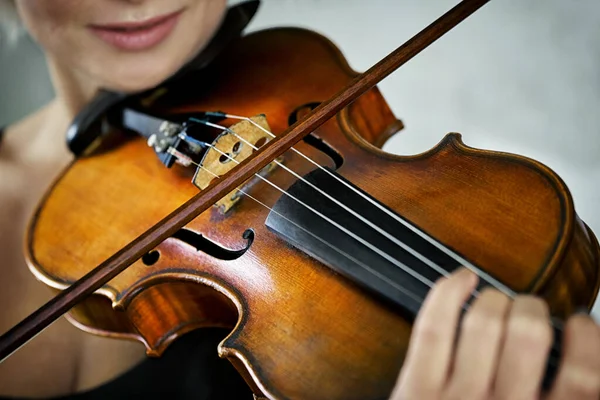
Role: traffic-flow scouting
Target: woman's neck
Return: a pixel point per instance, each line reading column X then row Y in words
column 72, row 89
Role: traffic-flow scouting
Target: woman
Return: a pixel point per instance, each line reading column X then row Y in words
column 144, row 42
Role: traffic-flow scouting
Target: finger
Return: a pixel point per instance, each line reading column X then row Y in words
column 427, row 361
column 479, row 345
column 578, row 376
column 523, row 357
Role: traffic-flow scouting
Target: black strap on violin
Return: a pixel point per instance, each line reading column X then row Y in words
column 88, row 125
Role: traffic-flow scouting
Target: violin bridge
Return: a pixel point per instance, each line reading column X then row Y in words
column 227, row 147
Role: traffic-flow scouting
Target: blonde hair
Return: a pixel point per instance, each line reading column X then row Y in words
column 10, row 23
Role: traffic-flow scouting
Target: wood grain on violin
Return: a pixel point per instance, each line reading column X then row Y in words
column 299, row 329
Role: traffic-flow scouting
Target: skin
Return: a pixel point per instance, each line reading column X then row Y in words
column 502, row 343
column 499, row 352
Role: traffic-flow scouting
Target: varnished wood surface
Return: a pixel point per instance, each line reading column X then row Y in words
column 299, row 331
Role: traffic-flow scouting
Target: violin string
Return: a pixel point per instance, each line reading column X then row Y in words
column 366, row 267
column 387, row 235
column 485, row 277
column 482, row 274
column 373, row 248
column 465, row 306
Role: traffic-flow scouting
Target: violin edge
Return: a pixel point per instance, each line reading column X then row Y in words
column 575, row 282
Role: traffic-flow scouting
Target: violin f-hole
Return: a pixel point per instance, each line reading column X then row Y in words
column 207, row 246
column 312, row 139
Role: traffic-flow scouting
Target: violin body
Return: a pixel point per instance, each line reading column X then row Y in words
column 299, row 329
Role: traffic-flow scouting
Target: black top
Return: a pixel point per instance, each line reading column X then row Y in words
column 190, row 368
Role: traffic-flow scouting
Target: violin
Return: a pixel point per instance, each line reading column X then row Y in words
column 250, row 192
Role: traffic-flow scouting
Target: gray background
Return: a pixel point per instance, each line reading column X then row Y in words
column 521, row 76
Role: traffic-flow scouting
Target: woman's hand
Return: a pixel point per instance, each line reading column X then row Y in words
column 499, row 351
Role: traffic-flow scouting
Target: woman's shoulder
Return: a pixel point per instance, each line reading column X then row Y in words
column 16, row 135
column 11, row 140
column 32, row 150
column 38, row 140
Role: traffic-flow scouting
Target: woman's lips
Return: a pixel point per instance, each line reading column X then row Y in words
column 137, row 35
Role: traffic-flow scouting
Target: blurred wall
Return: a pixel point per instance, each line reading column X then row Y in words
column 520, row 75
column 24, row 80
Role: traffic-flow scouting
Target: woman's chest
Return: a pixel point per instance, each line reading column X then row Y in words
column 48, row 363
column 62, row 359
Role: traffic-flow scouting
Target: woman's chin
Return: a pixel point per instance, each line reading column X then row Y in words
column 136, row 84
column 133, row 79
